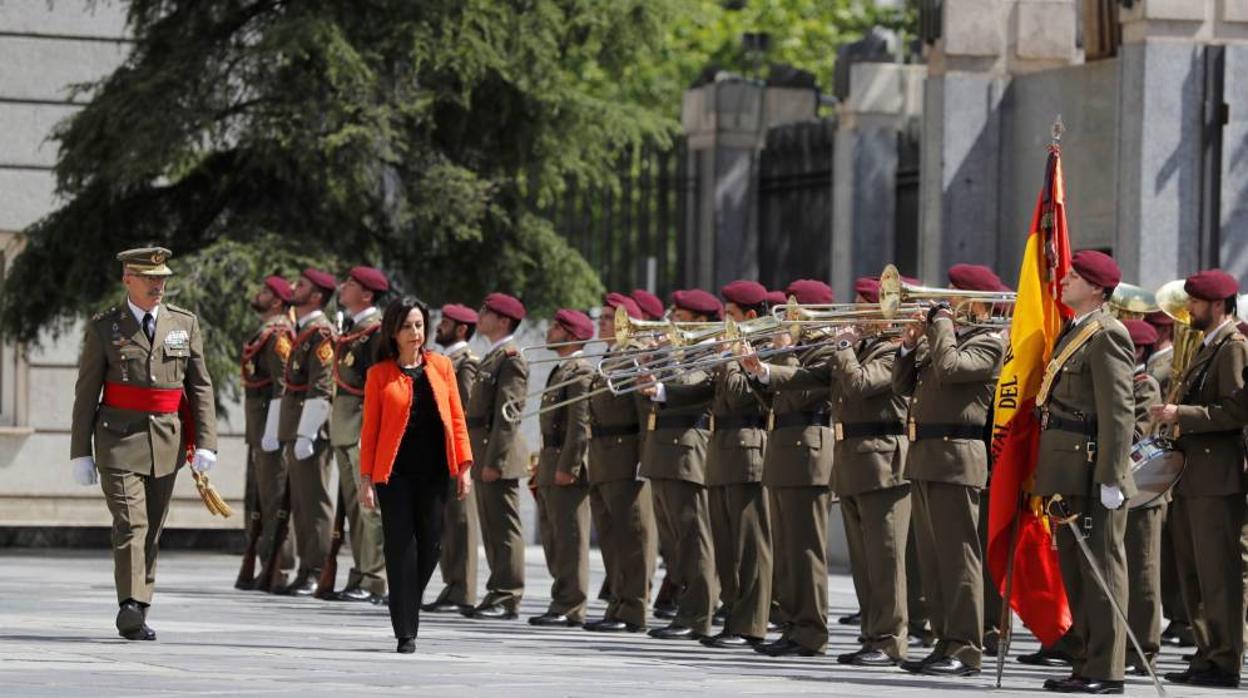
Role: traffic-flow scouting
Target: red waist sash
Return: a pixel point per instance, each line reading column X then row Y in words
column 156, row 401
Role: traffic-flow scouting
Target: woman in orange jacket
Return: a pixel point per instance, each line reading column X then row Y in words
column 412, row 441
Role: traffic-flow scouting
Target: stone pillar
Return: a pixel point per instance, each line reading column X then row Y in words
column 726, row 122
column 982, row 43
column 883, row 99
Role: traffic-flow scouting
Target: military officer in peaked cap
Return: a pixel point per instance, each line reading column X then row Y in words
column 142, row 401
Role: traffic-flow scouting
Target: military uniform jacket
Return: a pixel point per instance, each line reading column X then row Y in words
column 1159, row 367
column 615, row 423
column 1093, row 388
column 738, row 423
column 116, row 350
column 951, row 380
column 502, row 376
column 1147, row 393
column 1210, row 429
column 675, row 446
column 800, row 444
column 466, row 365
column 309, row 373
column 354, row 353
column 864, row 401
column 565, row 430
column 263, row 362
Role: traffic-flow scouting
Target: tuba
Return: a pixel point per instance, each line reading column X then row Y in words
column 1130, row 302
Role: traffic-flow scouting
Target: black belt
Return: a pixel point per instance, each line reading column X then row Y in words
column 800, row 419
column 869, row 430
column 948, row 431
column 739, row 421
column 681, row 421
column 1075, row 425
column 617, row 430
column 477, row 422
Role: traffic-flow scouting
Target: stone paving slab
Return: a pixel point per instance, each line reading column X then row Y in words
column 57, row 639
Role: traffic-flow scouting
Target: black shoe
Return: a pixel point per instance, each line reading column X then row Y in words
column 407, row 645
column 949, row 666
column 783, row 648
column 1078, row 684
column 719, row 616
column 445, row 607
column 1213, row 677
column 992, row 642
column 675, row 632
column 493, row 613
column 1043, row 657
column 664, row 612
column 1178, row 676
column 303, row 586
column 868, row 657
column 730, row 641
column 915, row 666
column 609, row 625
column 143, row 633
column 854, row 618
column 1136, row 666
column 358, row 595
column 554, row 620
column 1178, row 635
column 243, row 584
column 604, row 591
column 130, row 617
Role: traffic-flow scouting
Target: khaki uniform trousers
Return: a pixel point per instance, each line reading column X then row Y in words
column 945, row 517
column 564, row 513
column 877, row 526
column 916, row 605
column 459, row 548
column 1209, row 535
column 502, row 535
column 311, row 507
column 741, row 532
column 364, row 526
column 1098, row 642
column 139, row 505
column 623, row 513
column 799, row 518
column 1143, row 551
column 1171, row 595
column 683, row 509
column 271, row 485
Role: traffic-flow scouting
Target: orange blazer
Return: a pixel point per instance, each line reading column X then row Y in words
column 387, row 406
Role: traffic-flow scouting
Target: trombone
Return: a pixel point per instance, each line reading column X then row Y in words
column 895, row 294
column 629, row 331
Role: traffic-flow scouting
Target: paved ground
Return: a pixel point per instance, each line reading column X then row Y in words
column 56, row 638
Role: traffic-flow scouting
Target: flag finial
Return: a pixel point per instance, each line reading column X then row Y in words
column 1059, row 129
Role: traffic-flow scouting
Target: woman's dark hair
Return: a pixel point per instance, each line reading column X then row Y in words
column 396, row 314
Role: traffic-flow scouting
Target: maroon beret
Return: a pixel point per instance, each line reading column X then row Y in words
column 776, row 298
column 280, row 287
column 975, row 277
column 576, row 322
column 695, row 300
column 746, row 293
column 372, row 279
column 1142, row 333
column 1211, row 285
column 1097, row 268
column 320, row 279
column 868, row 287
column 459, row 313
column 649, row 304
column 619, row 300
column 1159, row 319
column 505, row 305
column 811, row 291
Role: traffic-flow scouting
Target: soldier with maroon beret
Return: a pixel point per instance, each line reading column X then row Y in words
column 650, row 305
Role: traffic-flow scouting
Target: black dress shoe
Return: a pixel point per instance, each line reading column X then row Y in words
column 1078, row 684
column 1043, row 657
column 610, row 625
column 664, row 612
column 870, row 657
column 915, row 666
column 1178, row 676
column 445, row 607
column 554, row 620
column 143, row 633
column 493, row 613
column 719, row 616
column 1178, row 635
column 675, row 632
column 1213, row 677
column 303, row 586
column 407, row 645
column 130, row 617
column 604, row 591
column 854, row 618
column 730, row 641
column 358, row 595
column 245, row 584
column 949, row 666
column 783, row 648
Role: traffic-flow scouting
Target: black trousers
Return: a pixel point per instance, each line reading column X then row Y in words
column 412, row 510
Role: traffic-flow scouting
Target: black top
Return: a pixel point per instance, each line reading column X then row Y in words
column 422, row 452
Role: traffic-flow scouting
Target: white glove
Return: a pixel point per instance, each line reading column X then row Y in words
column 315, row 412
column 84, row 470
column 269, row 442
column 304, row 448
column 1111, row 497
column 203, row 460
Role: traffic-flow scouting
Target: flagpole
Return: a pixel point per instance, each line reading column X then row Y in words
column 1006, row 621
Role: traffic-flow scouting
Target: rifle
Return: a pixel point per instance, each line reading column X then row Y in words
column 271, row 571
column 329, row 571
column 247, row 572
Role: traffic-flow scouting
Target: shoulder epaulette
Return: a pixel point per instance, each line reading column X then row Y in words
column 175, row 309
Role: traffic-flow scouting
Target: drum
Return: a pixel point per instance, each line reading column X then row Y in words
column 1156, row 466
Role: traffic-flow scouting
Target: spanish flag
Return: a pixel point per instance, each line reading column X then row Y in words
column 1016, row 522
